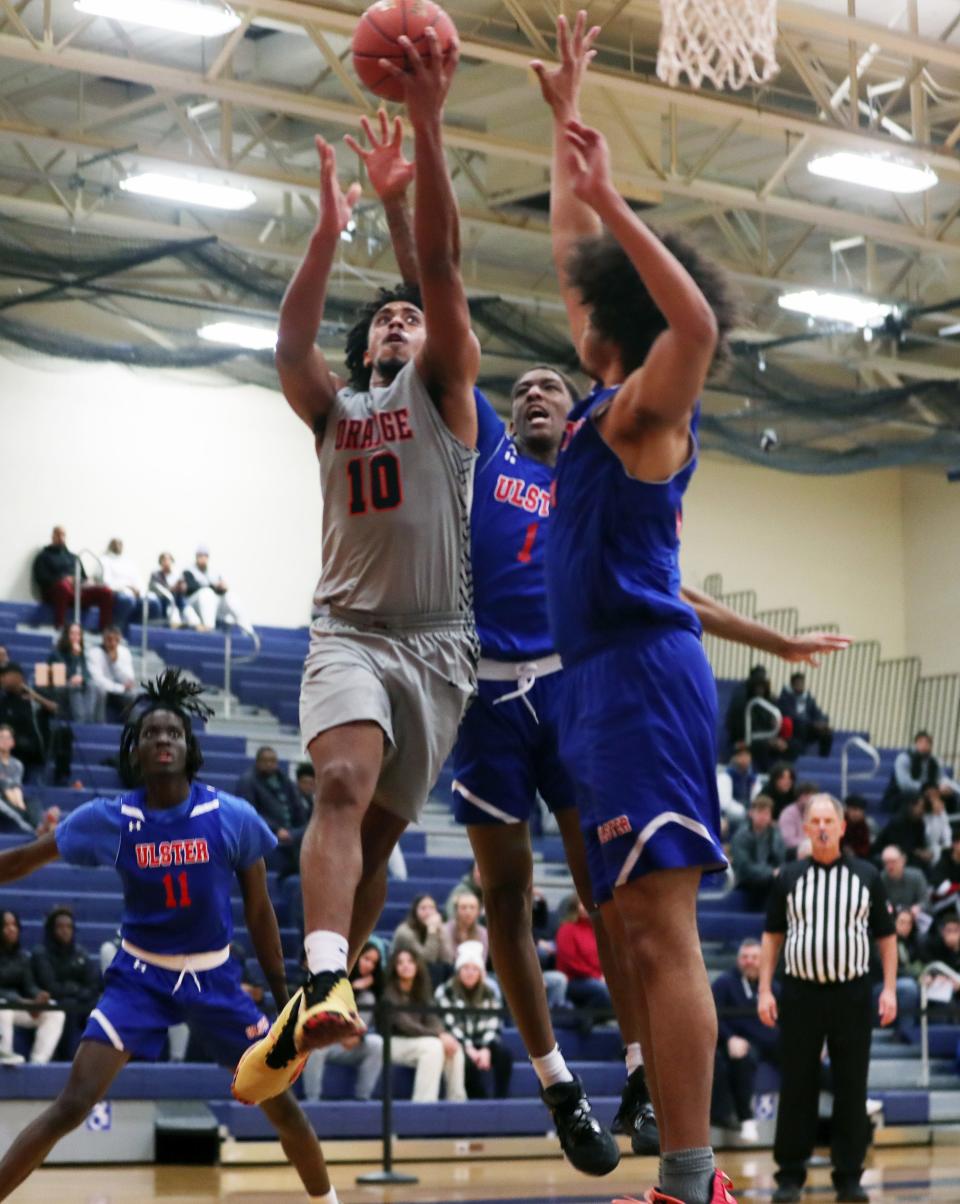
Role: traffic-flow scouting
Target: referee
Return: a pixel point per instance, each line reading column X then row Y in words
column 825, row 907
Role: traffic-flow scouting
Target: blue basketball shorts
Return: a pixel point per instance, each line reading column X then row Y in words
column 507, row 752
column 139, row 1004
column 638, row 737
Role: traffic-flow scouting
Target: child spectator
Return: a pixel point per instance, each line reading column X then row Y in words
column 424, row 932
column 67, row 973
column 478, row 1034
column 464, row 924
column 19, row 992
column 420, row 1040
column 578, row 958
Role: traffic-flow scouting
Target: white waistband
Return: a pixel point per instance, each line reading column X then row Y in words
column 491, row 670
column 184, row 962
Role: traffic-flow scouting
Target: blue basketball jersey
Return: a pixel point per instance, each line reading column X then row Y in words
column 508, row 526
column 612, row 558
column 177, row 866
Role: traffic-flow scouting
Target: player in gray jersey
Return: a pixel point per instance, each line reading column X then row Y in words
column 392, row 653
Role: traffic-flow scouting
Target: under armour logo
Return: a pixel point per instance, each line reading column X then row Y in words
column 139, row 965
column 135, row 825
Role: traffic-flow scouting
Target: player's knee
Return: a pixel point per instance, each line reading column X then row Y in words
column 342, row 784
column 507, row 904
column 71, row 1107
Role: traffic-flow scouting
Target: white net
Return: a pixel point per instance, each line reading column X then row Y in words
column 730, row 42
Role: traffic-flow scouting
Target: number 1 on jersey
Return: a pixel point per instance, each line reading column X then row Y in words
column 526, row 551
column 172, row 902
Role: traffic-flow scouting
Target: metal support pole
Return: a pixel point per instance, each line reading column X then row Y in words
column 144, row 620
column 387, row 1174
column 227, row 657
column 924, row 1035
column 77, row 586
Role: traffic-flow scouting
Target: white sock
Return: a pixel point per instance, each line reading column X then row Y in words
column 551, row 1068
column 329, row 1198
column 634, row 1056
column 326, row 951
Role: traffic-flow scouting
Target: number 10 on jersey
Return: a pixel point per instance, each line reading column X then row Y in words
column 374, row 483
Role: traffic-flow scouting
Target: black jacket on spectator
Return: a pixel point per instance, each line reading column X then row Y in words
column 755, row 856
column 17, row 712
column 67, row 972
column 946, row 869
column 934, row 950
column 51, row 564
column 730, row 992
column 277, row 799
column 905, row 831
column 16, row 976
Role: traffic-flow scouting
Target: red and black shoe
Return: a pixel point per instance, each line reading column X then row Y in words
column 722, row 1194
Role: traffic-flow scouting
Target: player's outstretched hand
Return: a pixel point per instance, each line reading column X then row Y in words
column 335, row 206
column 588, row 165
column 560, row 85
column 810, row 649
column 390, row 172
column 425, row 83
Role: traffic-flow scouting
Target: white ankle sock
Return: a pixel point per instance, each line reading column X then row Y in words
column 325, row 951
column 551, row 1068
column 329, row 1198
column 634, row 1056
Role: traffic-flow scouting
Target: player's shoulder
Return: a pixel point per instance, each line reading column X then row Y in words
column 862, row 868
column 232, row 804
column 793, row 871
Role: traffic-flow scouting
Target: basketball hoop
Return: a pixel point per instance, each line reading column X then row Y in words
column 730, row 42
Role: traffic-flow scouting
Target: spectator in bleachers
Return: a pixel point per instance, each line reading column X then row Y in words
column 274, row 796
column 909, row 965
column 15, row 813
column 909, row 950
column 859, row 835
column 544, row 927
column 420, row 1039
column 810, row 724
column 123, row 576
column 19, row 988
column 365, row 1052
column 914, row 770
column 946, row 873
column 781, row 787
column 425, row 933
column 936, row 821
column 579, row 959
column 907, row 887
column 169, row 589
column 908, row 832
column 31, row 728
column 67, row 973
column 471, row 883
column 479, row 1035
column 111, row 667
column 794, row 816
column 465, row 923
column 742, row 1043
column 732, row 813
column 767, row 744
column 943, row 945
column 82, row 699
column 307, row 784
column 745, row 784
column 54, row 570
column 207, row 593
column 757, row 852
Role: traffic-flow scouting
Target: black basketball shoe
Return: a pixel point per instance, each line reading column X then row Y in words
column 635, row 1116
column 589, row 1147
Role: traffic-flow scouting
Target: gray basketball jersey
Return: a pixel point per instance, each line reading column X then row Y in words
column 397, row 488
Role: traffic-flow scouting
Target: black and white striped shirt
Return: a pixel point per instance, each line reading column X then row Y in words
column 829, row 914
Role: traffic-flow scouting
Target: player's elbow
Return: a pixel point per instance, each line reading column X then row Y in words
column 700, row 328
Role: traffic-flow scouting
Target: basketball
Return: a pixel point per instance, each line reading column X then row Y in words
column 376, row 37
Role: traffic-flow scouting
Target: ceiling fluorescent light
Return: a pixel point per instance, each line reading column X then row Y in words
column 179, row 16
column 836, row 307
column 188, row 192
column 255, row 338
column 947, row 332
column 874, row 171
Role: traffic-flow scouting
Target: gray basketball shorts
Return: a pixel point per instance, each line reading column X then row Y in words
column 415, row 682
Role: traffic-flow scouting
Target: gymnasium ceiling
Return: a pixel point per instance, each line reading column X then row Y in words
column 86, row 101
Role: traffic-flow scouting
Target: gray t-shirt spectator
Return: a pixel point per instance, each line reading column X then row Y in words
column 756, row 856
column 909, row 890
column 11, row 773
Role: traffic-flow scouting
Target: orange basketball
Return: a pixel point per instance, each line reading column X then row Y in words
column 376, row 37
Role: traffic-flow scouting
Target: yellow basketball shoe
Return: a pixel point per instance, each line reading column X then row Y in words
column 329, row 1011
column 273, row 1064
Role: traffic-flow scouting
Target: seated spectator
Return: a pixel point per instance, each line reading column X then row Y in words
column 420, row 1040
column 123, row 576
column 757, row 852
column 207, row 593
column 67, row 973
column 907, row 887
column 471, row 883
column 81, row 699
column 744, row 782
column 545, row 935
column 732, row 813
column 478, row 1034
column 908, row 832
column 794, row 816
column 111, row 667
column 579, row 959
column 913, row 771
column 307, row 785
column 272, row 794
column 781, row 787
column 54, row 573
column 15, row 814
column 169, row 590
column 742, row 1043
column 767, row 743
column 859, row 834
column 34, row 731
column 465, row 925
column 810, row 724
column 943, row 945
column 19, row 993
column 945, row 875
column 424, row 932
column 909, row 966
column 363, row 1052
column 936, row 821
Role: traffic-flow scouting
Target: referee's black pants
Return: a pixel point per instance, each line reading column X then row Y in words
column 841, row 1015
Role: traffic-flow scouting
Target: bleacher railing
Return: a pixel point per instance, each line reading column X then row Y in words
column 79, row 568
column 229, row 660
column 933, row 970
column 760, row 704
column 846, row 776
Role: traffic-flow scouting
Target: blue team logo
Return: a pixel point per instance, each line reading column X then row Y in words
column 100, row 1119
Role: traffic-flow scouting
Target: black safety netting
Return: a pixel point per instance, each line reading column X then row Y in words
column 760, row 411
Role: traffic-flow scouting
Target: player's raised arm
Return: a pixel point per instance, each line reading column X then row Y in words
column 450, row 358
column 263, row 928
column 22, row 860
column 308, row 384
column 390, row 174
column 570, row 218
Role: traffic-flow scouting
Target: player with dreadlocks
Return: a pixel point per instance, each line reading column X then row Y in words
column 177, row 845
